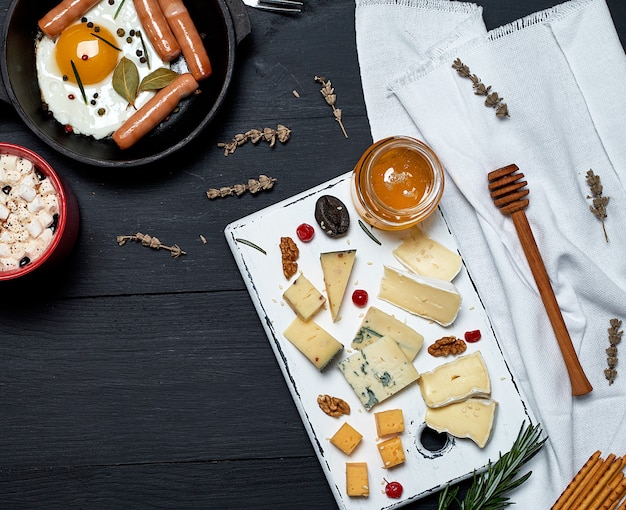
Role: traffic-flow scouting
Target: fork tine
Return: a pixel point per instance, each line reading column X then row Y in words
column 281, row 5
column 285, row 3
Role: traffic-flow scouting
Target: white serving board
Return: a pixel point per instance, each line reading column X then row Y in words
column 424, row 471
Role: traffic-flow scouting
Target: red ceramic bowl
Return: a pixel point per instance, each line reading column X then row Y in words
column 66, row 230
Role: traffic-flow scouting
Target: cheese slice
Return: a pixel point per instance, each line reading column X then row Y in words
column 434, row 299
column 315, row 343
column 378, row 371
column 304, row 298
column 456, row 381
column 377, row 323
column 423, row 255
column 337, row 267
column 472, row 418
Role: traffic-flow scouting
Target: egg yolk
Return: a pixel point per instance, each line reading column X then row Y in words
column 93, row 58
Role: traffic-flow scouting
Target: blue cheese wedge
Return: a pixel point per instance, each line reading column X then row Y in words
column 431, row 298
column 319, row 346
column 304, row 298
column 378, row 371
column 423, row 255
column 337, row 267
column 472, row 418
column 458, row 380
column 377, row 323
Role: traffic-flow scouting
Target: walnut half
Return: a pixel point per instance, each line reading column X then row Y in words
column 333, row 406
column 290, row 253
column 447, row 345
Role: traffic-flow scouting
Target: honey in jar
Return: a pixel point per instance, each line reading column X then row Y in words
column 397, row 183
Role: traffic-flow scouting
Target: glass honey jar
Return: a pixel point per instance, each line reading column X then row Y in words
column 397, row 183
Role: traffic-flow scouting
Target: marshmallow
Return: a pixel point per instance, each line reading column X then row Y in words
column 28, row 206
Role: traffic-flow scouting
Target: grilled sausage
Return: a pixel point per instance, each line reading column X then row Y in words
column 154, row 111
column 63, row 15
column 157, row 29
column 188, row 38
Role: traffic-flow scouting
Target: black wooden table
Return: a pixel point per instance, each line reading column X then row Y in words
column 130, row 379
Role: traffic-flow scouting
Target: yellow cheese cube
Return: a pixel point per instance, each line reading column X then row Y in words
column 391, row 452
column 346, row 438
column 304, row 298
column 357, row 480
column 389, row 422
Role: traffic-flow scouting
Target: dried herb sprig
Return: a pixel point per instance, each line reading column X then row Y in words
column 151, row 242
column 488, row 489
column 281, row 133
column 264, row 183
column 492, row 99
column 599, row 202
column 331, row 99
column 615, row 337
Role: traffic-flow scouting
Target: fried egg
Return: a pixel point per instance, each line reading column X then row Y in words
column 89, row 51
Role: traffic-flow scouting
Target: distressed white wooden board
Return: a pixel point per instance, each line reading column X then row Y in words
column 424, row 471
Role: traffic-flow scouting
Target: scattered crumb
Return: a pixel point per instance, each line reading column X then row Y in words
column 295, row 93
column 203, row 239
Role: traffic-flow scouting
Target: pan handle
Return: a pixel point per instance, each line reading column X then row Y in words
column 4, row 96
column 241, row 19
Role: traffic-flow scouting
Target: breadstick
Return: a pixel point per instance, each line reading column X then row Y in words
column 154, row 111
column 63, row 15
column 577, row 484
column 188, row 38
column 157, row 29
column 615, row 492
column 596, row 482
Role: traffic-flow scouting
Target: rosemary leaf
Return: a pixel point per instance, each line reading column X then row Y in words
column 145, row 50
column 118, row 9
column 488, row 489
column 369, row 233
column 251, row 244
column 106, row 41
column 79, row 81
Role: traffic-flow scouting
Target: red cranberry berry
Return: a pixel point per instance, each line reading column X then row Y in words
column 305, row 232
column 472, row 336
column 359, row 297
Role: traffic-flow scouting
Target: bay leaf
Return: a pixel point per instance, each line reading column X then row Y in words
column 126, row 80
column 158, row 79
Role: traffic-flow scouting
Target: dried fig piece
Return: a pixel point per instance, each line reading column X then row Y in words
column 332, row 215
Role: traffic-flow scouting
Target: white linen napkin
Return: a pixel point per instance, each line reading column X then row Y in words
column 562, row 74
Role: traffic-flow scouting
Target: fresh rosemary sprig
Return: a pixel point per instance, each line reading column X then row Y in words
column 488, row 490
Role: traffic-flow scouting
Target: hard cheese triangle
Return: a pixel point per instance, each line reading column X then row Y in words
column 337, row 267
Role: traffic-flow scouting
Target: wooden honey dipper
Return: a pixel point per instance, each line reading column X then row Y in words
column 508, row 194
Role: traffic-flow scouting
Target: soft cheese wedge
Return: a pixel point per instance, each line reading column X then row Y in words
column 337, row 267
column 304, row 298
column 423, row 255
column 431, row 298
column 456, row 381
column 472, row 418
column 319, row 346
column 378, row 371
column 377, row 323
